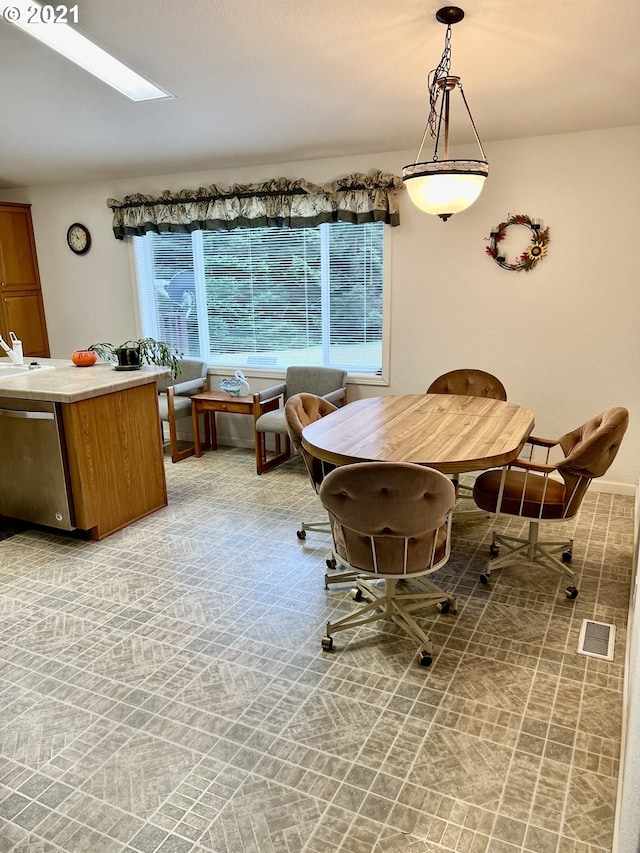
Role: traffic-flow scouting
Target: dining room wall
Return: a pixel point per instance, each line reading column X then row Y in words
column 563, row 337
column 626, row 837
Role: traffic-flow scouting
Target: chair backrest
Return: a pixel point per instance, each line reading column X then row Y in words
column 470, row 382
column 389, row 518
column 589, row 451
column 190, row 369
column 300, row 411
column 314, row 380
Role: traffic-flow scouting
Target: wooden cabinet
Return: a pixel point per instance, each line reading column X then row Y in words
column 85, row 445
column 23, row 313
column 116, row 466
column 21, row 305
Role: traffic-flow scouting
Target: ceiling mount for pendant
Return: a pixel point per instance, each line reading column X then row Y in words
column 444, row 187
column 449, row 15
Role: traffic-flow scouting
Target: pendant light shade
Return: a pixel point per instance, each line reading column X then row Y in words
column 444, row 187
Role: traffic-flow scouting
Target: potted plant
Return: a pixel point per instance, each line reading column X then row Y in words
column 131, row 355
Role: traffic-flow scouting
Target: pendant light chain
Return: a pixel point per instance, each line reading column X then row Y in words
column 432, row 127
column 442, row 70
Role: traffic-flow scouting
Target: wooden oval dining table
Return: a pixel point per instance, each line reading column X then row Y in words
column 449, row 432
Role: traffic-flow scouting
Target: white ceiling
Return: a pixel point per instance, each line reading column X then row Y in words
column 266, row 81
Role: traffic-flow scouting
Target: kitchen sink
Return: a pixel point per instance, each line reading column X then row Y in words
column 8, row 371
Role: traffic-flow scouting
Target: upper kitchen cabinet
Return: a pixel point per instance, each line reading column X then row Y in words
column 21, row 305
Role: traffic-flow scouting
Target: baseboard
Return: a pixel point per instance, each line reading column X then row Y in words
column 223, row 440
column 234, row 441
column 612, row 488
column 605, row 486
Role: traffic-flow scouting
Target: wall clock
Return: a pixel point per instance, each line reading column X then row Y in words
column 79, row 238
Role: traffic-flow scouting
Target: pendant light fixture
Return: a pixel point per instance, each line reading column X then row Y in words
column 444, row 187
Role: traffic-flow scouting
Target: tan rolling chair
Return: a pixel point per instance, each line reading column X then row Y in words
column 468, row 382
column 534, row 491
column 390, row 521
column 300, row 411
column 268, row 407
column 174, row 400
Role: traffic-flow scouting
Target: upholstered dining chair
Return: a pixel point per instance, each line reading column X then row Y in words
column 174, row 400
column 268, row 407
column 469, row 382
column 390, row 521
column 546, row 491
column 300, row 410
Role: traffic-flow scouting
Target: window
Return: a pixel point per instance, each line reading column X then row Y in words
column 267, row 296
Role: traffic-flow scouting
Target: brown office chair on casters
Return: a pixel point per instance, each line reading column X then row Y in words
column 528, row 489
column 174, row 400
column 468, row 382
column 300, row 410
column 390, row 521
column 268, row 407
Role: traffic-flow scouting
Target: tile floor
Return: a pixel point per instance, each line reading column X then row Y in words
column 164, row 690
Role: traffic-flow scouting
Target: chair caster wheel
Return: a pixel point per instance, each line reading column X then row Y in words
column 494, row 550
column 571, row 592
column 356, row 594
column 425, row 659
column 327, row 644
column 484, row 578
column 567, row 556
column 443, row 607
column 331, row 563
column 301, row 534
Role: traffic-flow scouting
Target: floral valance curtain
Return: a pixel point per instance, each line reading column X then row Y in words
column 295, row 204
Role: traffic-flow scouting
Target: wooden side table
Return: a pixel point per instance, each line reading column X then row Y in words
column 210, row 402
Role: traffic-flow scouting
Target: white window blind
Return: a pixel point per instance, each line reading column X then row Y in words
column 267, row 296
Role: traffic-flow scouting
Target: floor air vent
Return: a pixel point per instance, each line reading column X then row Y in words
column 596, row 639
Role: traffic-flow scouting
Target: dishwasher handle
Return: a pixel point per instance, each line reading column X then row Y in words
column 20, row 413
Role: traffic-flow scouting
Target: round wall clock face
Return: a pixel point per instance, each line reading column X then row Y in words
column 78, row 238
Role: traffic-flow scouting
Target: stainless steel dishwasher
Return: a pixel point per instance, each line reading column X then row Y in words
column 34, row 481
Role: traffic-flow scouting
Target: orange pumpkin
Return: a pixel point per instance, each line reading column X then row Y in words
column 84, row 357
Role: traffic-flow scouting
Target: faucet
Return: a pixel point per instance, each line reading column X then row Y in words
column 14, row 354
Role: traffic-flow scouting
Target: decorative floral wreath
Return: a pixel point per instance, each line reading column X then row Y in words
column 531, row 255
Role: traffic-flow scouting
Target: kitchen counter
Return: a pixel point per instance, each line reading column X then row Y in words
column 70, row 384
column 81, row 447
